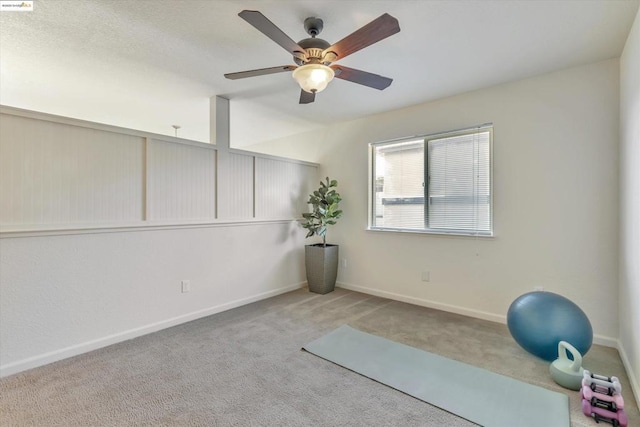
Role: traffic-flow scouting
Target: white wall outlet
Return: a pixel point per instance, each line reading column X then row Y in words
column 426, row 276
column 186, row 286
column 343, row 263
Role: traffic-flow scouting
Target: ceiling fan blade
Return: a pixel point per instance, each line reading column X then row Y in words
column 376, row 30
column 361, row 77
column 307, row 97
column 260, row 72
column 269, row 29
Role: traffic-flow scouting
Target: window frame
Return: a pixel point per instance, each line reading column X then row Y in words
column 487, row 127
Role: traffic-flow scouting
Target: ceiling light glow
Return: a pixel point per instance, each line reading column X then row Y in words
column 313, row 78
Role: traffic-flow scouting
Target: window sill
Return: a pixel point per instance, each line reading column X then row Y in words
column 430, row 232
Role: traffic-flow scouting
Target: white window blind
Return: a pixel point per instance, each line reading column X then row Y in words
column 459, row 183
column 438, row 184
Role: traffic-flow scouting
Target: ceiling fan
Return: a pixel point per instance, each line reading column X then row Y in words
column 314, row 55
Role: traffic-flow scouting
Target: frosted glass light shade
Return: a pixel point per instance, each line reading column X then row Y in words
column 313, row 77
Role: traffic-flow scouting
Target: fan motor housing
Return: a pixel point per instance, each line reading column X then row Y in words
column 314, row 48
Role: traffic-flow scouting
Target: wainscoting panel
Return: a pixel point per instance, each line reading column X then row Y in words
column 282, row 188
column 236, row 187
column 62, row 175
column 181, row 182
column 55, row 173
column 100, row 225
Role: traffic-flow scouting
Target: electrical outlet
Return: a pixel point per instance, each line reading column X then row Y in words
column 186, row 286
column 426, row 276
column 343, row 263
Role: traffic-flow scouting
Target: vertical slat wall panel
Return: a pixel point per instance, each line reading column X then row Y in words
column 54, row 173
column 181, row 182
column 58, row 173
column 237, row 188
column 282, row 188
column 309, row 182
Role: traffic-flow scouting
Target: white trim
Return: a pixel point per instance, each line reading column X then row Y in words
column 605, row 341
column 478, row 314
column 5, row 109
column 426, row 303
column 431, row 231
column 59, row 230
column 270, row 157
column 434, row 135
column 426, row 144
column 74, row 350
column 634, row 379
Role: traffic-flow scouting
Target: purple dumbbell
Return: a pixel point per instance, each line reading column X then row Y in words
column 617, row 419
column 610, row 402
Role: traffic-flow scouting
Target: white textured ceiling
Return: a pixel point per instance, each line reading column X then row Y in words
column 148, row 64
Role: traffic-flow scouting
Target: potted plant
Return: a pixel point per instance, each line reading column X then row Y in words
column 321, row 259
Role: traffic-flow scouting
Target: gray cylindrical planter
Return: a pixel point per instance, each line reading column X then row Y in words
column 322, row 267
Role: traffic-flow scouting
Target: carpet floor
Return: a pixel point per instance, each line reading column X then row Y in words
column 245, row 367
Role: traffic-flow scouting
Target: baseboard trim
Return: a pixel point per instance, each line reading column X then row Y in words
column 478, row 314
column 605, row 341
column 633, row 377
column 64, row 353
column 425, row 303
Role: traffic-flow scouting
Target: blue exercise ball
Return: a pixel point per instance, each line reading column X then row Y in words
column 538, row 321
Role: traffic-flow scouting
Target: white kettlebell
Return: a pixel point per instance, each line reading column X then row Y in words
column 564, row 371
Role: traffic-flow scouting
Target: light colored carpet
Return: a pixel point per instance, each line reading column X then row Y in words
column 244, row 367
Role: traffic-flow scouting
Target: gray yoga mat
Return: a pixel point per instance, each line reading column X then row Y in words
column 475, row 394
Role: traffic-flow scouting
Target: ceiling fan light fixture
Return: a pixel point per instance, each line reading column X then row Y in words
column 313, row 78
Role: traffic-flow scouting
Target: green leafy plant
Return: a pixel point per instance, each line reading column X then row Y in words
column 325, row 210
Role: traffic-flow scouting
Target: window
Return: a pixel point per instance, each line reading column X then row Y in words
column 436, row 184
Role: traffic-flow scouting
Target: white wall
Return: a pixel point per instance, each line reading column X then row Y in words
column 99, row 225
column 629, row 302
column 555, row 193
column 67, row 294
